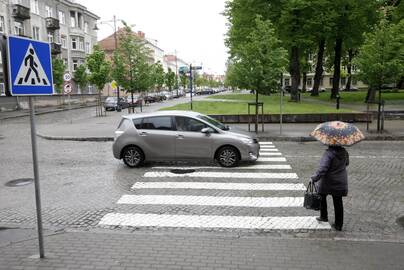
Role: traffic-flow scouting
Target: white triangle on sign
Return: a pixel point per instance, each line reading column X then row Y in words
column 31, row 71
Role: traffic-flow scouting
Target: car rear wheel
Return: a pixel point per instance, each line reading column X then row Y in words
column 132, row 156
column 228, row 156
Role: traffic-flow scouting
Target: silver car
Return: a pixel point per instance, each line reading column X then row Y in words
column 181, row 135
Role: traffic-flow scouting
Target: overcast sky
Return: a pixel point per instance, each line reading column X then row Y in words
column 195, row 28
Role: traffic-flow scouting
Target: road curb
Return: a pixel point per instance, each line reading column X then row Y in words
column 261, row 138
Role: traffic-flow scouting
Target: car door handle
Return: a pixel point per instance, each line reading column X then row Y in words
column 179, row 136
column 143, row 133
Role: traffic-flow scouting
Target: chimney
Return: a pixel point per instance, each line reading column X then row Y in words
column 140, row 34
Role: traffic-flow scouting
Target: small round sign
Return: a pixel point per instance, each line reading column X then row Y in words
column 67, row 77
column 67, row 88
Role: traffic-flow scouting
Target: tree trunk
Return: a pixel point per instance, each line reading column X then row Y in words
column 349, row 69
column 371, row 94
column 256, row 111
column 400, row 84
column 337, row 68
column 319, row 68
column 295, row 74
column 304, row 81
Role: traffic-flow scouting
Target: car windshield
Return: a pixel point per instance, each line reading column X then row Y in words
column 109, row 99
column 213, row 122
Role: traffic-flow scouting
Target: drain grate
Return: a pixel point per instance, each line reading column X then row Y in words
column 400, row 221
column 19, row 182
column 182, row 171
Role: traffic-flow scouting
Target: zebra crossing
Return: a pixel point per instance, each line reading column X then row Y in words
column 269, row 175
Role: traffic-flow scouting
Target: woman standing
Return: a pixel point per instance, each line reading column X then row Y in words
column 331, row 179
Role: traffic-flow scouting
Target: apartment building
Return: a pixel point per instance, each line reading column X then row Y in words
column 67, row 25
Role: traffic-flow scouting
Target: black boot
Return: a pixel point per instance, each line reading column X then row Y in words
column 322, row 219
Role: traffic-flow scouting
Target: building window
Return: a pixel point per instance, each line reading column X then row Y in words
column 87, row 48
column 66, row 63
column 309, row 82
column 331, row 79
column 35, row 32
column 75, row 64
column 51, row 39
column 287, row 82
column 343, row 81
column 2, row 25
column 354, row 68
column 18, row 28
column 49, row 12
column 72, row 19
column 321, row 81
column 62, row 18
column 35, row 6
column 354, row 81
column 79, row 20
column 74, row 43
column 85, row 27
column 63, row 42
column 81, row 44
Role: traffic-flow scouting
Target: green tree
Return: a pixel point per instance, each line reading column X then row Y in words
column 158, row 75
column 81, row 77
column 99, row 69
column 260, row 61
column 184, row 81
column 170, row 79
column 58, row 69
column 133, row 63
column 381, row 58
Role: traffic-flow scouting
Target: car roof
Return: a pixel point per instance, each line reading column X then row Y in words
column 162, row 113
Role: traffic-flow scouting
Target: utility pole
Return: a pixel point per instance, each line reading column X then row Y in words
column 190, row 83
column 116, row 47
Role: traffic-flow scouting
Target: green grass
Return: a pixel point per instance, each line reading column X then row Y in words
column 271, row 105
column 359, row 97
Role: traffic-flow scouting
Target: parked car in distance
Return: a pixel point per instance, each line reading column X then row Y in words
column 137, row 100
column 352, row 89
column 320, row 89
column 181, row 135
column 111, row 104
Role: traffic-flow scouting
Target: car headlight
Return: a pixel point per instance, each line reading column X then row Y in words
column 247, row 141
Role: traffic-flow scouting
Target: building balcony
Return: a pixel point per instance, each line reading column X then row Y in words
column 56, row 48
column 21, row 12
column 52, row 23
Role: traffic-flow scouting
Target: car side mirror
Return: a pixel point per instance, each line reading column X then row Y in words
column 207, row 130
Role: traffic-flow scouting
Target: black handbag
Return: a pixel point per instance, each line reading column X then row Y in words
column 312, row 200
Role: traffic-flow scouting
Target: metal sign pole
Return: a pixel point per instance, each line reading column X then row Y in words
column 281, row 106
column 36, row 179
column 190, row 82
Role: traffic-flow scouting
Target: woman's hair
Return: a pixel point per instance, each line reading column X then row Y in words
column 336, row 147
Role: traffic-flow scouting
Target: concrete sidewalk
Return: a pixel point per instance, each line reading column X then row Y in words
column 106, row 250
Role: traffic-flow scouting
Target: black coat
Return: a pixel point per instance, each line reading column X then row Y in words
column 331, row 177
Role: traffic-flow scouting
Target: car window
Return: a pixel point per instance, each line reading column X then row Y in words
column 160, row 123
column 124, row 125
column 189, row 124
column 213, row 122
column 137, row 122
column 111, row 99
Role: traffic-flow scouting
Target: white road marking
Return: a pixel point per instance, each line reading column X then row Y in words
column 246, row 167
column 233, row 222
column 268, row 150
column 247, row 175
column 265, row 143
column 273, row 159
column 270, row 154
column 218, row 186
column 212, row 201
column 267, row 146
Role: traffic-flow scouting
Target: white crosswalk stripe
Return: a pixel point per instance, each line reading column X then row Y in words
column 212, row 200
column 217, row 186
column 265, row 154
column 269, row 155
column 242, row 167
column 248, row 175
column 230, row 222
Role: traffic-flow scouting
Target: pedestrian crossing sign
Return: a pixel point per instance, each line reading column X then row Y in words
column 30, row 67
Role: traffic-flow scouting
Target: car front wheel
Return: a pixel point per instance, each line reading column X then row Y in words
column 228, row 156
column 132, row 156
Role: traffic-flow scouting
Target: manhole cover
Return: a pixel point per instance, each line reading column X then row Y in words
column 19, row 182
column 182, row 171
column 400, row 221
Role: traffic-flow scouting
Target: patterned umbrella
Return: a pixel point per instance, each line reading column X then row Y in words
column 337, row 133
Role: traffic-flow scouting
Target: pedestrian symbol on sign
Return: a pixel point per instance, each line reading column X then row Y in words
column 31, row 71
